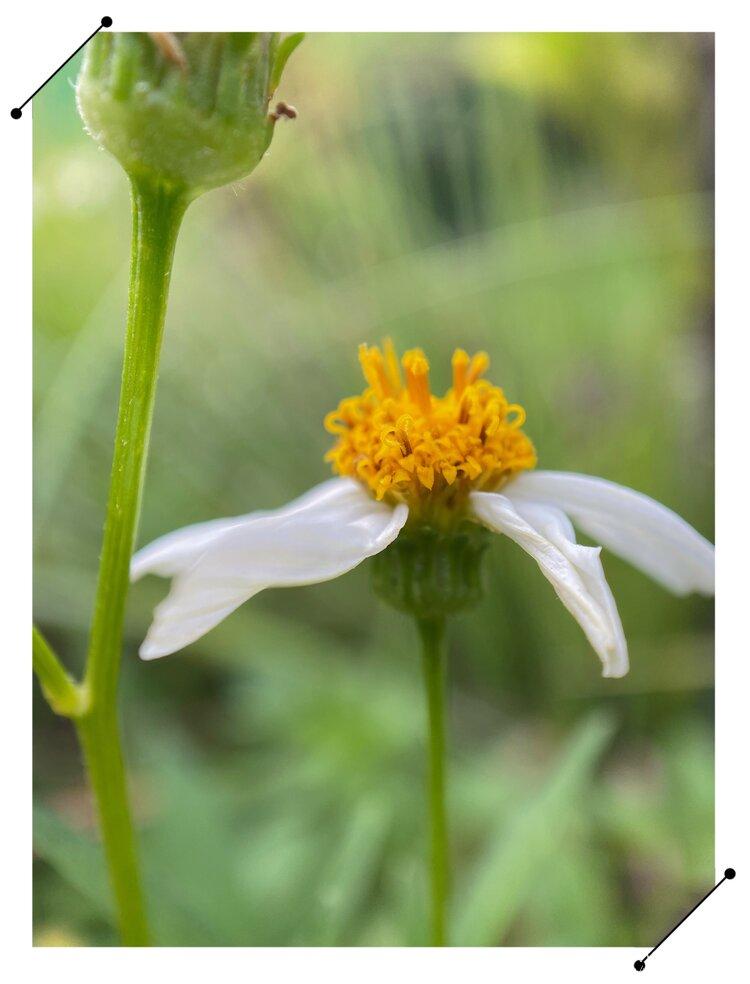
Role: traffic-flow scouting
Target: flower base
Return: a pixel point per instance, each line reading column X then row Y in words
column 429, row 573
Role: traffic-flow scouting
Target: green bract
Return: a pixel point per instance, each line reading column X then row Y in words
column 429, row 573
column 190, row 110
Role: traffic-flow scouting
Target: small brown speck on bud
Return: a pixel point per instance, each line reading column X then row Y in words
column 283, row 109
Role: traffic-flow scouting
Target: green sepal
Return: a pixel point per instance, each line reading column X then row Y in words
column 428, row 572
column 285, row 48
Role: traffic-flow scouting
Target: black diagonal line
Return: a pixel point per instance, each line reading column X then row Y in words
column 685, row 917
column 82, row 45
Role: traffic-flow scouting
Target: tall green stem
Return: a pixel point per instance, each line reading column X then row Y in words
column 157, row 214
column 432, row 632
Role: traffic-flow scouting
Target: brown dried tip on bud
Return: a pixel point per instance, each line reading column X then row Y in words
column 170, row 47
column 283, row 109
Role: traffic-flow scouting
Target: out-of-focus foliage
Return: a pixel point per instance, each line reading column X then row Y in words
column 544, row 197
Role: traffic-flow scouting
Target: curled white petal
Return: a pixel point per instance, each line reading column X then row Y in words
column 630, row 524
column 326, row 532
column 558, row 529
column 574, row 590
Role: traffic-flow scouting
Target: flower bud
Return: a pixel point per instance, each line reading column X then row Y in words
column 429, row 572
column 189, row 110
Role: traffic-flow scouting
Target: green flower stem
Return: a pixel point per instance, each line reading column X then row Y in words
column 432, row 632
column 157, row 213
column 98, row 733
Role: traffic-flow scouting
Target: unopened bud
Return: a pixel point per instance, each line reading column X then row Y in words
column 189, row 110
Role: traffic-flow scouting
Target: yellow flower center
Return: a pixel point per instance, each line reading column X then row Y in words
column 407, row 444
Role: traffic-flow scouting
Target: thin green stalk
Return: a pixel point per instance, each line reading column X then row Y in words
column 157, row 214
column 432, row 632
column 99, row 736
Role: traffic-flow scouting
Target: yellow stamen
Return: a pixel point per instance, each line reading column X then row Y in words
column 479, row 365
column 392, row 366
column 459, row 363
column 373, row 367
column 417, row 370
column 406, row 444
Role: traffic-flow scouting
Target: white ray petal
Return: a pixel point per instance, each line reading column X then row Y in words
column 556, row 526
column 642, row 531
column 325, row 533
column 500, row 514
column 178, row 550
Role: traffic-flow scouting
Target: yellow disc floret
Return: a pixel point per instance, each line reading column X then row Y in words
column 407, row 444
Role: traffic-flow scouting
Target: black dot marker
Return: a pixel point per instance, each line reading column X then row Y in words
column 16, row 112
column 729, row 873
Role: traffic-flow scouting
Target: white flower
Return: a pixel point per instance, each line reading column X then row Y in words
column 424, row 464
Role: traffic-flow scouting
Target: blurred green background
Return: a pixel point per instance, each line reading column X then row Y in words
column 547, row 198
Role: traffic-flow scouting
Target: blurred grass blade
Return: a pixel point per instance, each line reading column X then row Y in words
column 518, row 853
column 76, row 858
column 178, row 920
column 343, row 885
